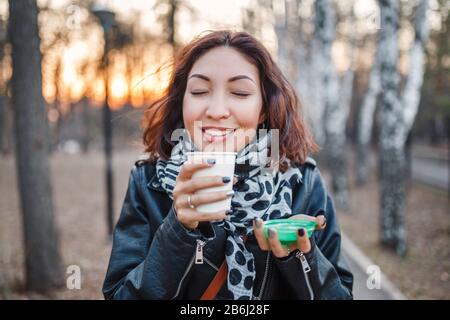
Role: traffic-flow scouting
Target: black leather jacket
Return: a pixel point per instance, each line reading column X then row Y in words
column 153, row 254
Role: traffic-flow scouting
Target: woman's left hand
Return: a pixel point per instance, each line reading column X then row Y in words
column 273, row 243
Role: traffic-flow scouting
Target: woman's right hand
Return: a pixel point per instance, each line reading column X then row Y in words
column 186, row 186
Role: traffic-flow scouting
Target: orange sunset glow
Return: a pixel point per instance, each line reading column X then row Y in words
column 140, row 90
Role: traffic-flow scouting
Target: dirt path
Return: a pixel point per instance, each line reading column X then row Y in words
column 80, row 213
column 424, row 272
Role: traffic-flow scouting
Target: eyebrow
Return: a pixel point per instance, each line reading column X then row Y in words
column 235, row 78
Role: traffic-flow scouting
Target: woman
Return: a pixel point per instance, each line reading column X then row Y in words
column 224, row 87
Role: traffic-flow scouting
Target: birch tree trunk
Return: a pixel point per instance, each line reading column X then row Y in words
column 396, row 120
column 336, row 123
column 338, row 108
column 392, row 161
column 366, row 118
column 281, row 30
column 42, row 258
column 303, row 69
column 410, row 98
column 335, row 108
column 321, row 64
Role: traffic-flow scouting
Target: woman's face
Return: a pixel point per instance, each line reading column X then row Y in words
column 222, row 102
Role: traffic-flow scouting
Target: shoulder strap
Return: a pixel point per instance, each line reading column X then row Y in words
column 216, row 283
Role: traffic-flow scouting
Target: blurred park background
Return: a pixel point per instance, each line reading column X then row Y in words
column 75, row 76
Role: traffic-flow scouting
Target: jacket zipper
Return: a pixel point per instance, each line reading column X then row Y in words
column 306, row 269
column 266, row 272
column 191, row 263
column 199, row 251
column 197, row 258
column 212, row 265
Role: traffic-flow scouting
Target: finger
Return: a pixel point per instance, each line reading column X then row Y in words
column 210, row 216
column 303, row 217
column 258, row 230
column 208, row 197
column 188, row 169
column 196, row 184
column 321, row 222
column 275, row 244
column 188, row 215
column 292, row 246
column 303, row 243
column 235, row 180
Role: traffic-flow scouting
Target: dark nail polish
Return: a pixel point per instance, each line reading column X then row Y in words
column 324, row 222
column 301, row 232
column 226, row 179
column 258, row 222
column 211, row 161
column 271, row 233
column 229, row 212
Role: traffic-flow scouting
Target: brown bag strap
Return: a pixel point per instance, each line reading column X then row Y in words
column 218, row 280
column 216, row 283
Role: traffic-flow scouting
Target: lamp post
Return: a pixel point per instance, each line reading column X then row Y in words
column 106, row 18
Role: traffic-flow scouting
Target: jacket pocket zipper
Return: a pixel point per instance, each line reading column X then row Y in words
column 306, row 269
column 263, row 284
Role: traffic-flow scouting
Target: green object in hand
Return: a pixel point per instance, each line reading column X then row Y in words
column 287, row 228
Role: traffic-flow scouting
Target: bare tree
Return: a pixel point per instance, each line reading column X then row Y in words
column 323, row 37
column 5, row 110
column 280, row 17
column 338, row 108
column 410, row 97
column 42, row 257
column 56, row 106
column 397, row 116
column 338, row 94
column 169, row 19
column 365, row 123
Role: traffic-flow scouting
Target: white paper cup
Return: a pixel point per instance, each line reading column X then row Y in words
column 224, row 167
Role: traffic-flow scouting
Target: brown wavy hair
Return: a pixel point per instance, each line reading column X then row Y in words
column 280, row 103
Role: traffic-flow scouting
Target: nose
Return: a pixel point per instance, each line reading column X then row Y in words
column 218, row 108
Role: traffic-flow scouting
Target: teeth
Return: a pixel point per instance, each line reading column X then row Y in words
column 217, row 133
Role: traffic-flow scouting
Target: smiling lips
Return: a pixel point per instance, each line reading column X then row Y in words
column 215, row 134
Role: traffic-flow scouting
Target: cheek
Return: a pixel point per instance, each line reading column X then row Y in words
column 247, row 113
column 247, row 119
column 191, row 112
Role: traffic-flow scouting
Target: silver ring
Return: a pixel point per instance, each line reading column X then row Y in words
column 190, row 203
column 288, row 251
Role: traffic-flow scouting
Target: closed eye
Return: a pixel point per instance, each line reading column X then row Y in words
column 197, row 93
column 241, row 94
